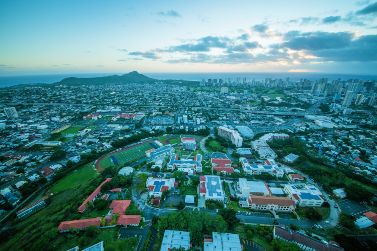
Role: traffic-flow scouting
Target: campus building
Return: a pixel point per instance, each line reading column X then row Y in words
column 247, row 187
column 92, row 196
column 304, row 195
column 231, row 135
column 223, row 242
column 188, row 144
column 211, row 188
column 271, row 203
column 157, row 186
column 175, row 240
column 188, row 166
column 267, row 167
column 222, row 165
column 303, row 241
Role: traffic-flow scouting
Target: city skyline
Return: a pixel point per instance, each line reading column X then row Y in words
column 63, row 37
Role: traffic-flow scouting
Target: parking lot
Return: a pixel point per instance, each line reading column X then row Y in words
column 352, row 208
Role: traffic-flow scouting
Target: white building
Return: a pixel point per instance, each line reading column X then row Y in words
column 11, row 112
column 175, row 240
column 263, row 149
column 304, row 195
column 231, row 135
column 247, row 187
column 211, row 188
column 269, row 167
column 223, row 242
column 157, row 186
column 188, row 166
column 125, row 171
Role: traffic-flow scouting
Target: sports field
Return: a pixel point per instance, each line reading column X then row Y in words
column 80, row 177
column 124, row 156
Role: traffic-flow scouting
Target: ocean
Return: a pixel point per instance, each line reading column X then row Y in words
column 7, row 81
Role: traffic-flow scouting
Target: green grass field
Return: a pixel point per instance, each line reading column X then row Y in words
column 126, row 156
column 71, row 130
column 80, row 177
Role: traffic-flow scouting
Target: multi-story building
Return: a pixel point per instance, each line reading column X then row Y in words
column 211, row 188
column 30, row 209
column 348, row 98
column 223, row 242
column 247, row 187
column 268, row 166
column 188, row 144
column 11, row 112
column 177, row 240
column 271, row 203
column 304, row 195
column 188, row 166
column 231, row 135
column 157, row 186
column 222, row 165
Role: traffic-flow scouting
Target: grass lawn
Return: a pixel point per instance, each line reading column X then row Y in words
column 71, row 130
column 126, row 156
column 235, row 206
column 215, row 146
column 79, row 177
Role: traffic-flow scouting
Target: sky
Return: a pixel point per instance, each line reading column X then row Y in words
column 110, row 36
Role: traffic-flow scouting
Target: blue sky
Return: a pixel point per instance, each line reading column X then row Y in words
column 84, row 36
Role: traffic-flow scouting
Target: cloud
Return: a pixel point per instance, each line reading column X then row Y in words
column 305, row 20
column 370, row 9
column 147, row 54
column 6, row 66
column 261, row 28
column 202, row 45
column 362, row 49
column 331, row 19
column 316, row 40
column 169, row 13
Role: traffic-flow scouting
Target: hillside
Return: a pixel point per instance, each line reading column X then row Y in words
column 132, row 77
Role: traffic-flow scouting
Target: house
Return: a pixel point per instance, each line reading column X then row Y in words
column 271, row 203
column 295, row 177
column 211, row 188
column 157, row 186
column 247, row 187
column 304, row 195
column 92, row 196
column 222, row 165
column 303, row 241
column 47, row 172
column 79, row 224
column 231, row 135
column 128, row 220
column 119, row 206
column 175, row 240
column 190, row 200
column 188, row 166
column 189, row 144
column 223, row 241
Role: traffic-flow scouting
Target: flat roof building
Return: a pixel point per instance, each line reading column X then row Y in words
column 223, row 242
column 211, row 188
column 175, row 239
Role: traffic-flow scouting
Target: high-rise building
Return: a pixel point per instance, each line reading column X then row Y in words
column 348, row 98
column 231, row 135
column 11, row 112
column 372, row 100
column 224, row 89
column 359, row 99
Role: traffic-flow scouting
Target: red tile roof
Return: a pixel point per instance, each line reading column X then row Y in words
column 371, row 216
column 125, row 220
column 221, row 162
column 91, row 197
column 116, row 190
column 119, row 206
column 304, row 240
column 79, row 224
column 47, row 171
column 224, row 169
column 296, row 176
column 202, row 178
column 268, row 200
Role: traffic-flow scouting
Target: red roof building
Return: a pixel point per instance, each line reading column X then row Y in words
column 222, row 165
column 126, row 220
column 371, row 216
column 119, row 206
column 295, row 177
column 79, row 224
column 92, row 196
column 268, row 203
column 47, row 171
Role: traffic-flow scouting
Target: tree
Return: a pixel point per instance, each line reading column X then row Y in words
column 180, row 177
column 280, row 245
column 357, row 192
column 324, row 107
column 229, row 215
column 312, row 214
column 58, row 155
column 347, row 221
column 100, row 204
